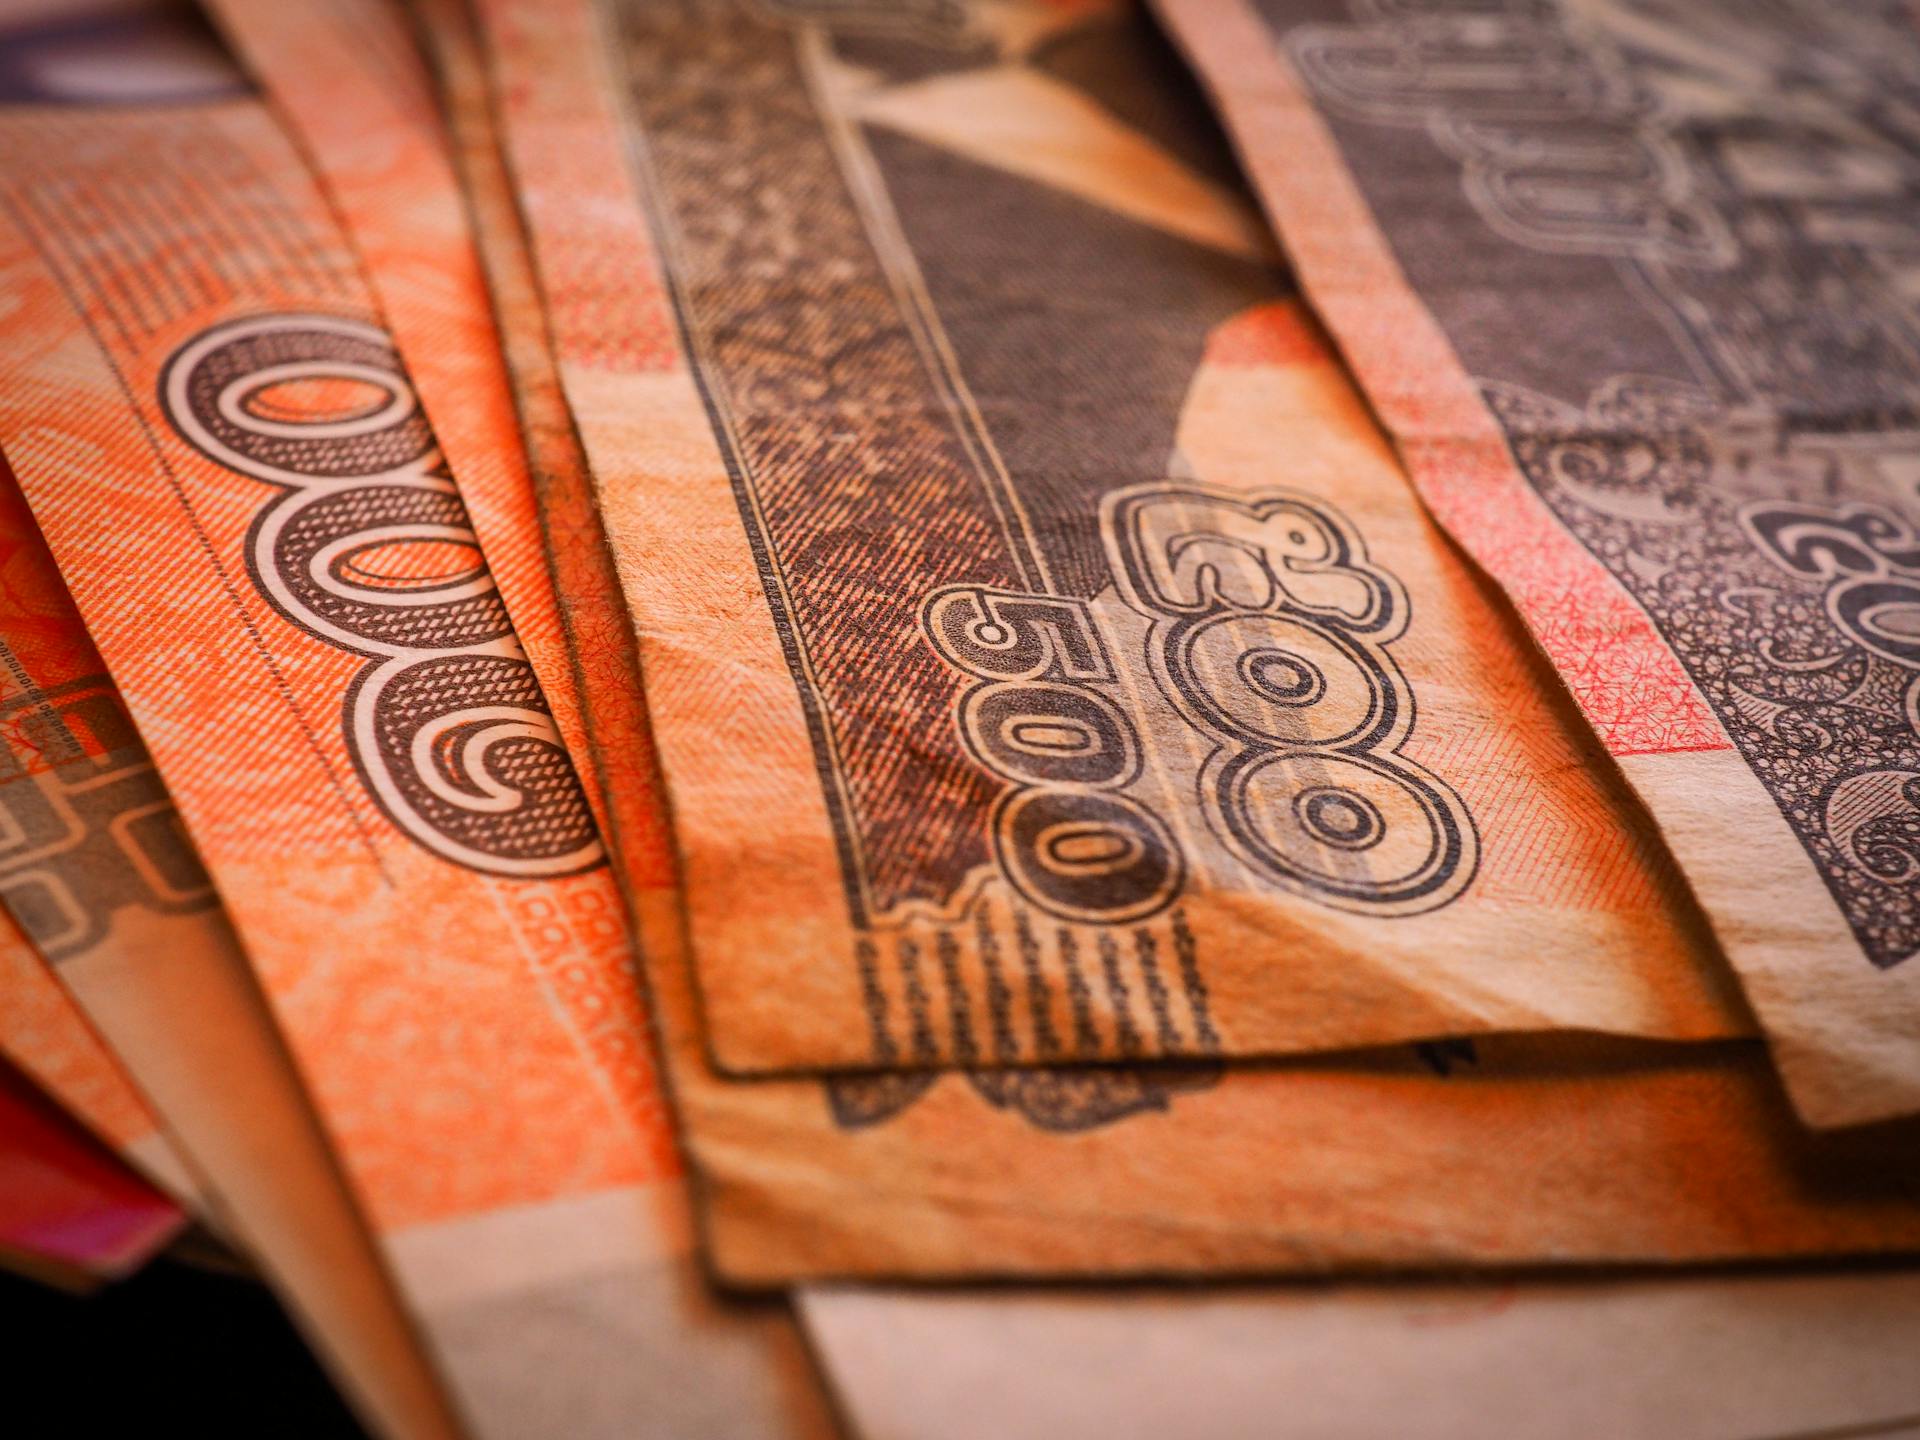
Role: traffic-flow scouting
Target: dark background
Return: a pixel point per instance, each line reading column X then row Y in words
column 176, row 1344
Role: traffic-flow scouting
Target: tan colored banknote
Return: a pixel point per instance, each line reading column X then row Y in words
column 45, row 1036
column 103, row 878
column 205, row 408
column 1504, row 1152
column 1522, row 1153
column 1633, row 288
column 1695, row 1358
column 1027, row 691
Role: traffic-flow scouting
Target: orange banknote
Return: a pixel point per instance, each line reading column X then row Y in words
column 606, row 1255
column 208, row 414
column 113, row 896
column 409, row 190
column 1632, row 288
column 42, row 1031
column 1027, row 688
column 349, row 81
column 605, row 671
column 45, row 1035
column 1638, row 1153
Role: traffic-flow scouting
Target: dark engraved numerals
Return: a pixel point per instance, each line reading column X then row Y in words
column 1270, row 635
column 1048, row 734
column 1086, row 855
column 1066, row 835
column 369, row 548
column 1010, row 636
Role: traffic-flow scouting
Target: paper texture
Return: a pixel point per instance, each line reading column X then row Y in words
column 120, row 905
column 45, row 1035
column 1698, row 1358
column 629, row 1328
column 1630, row 287
column 202, row 397
column 1049, row 661
column 1201, row 1169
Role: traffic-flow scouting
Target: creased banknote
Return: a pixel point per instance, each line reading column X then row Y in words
column 1652, row 1153
column 602, row 670
column 1690, row 1358
column 1632, row 284
column 348, row 77
column 112, row 894
column 206, row 410
column 45, row 1036
column 353, row 85
column 1039, row 676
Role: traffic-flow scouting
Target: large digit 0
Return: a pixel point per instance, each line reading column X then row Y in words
column 1087, row 854
column 1043, row 734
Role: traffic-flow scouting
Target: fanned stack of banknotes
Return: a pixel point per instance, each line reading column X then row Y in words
column 750, row 718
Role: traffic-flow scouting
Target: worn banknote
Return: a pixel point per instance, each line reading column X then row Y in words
column 1695, row 1357
column 208, row 413
column 1039, row 675
column 712, row 1367
column 44, row 1032
column 108, row 888
column 1632, row 1152
column 1632, row 284
column 602, row 662
column 45, row 1036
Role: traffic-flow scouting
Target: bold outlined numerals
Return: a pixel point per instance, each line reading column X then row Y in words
column 1270, row 629
column 1002, row 635
column 1086, row 854
column 1044, row 733
column 369, row 548
column 1066, row 836
column 1867, row 558
column 1268, row 636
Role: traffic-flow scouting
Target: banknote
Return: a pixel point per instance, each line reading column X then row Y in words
column 70, row 1214
column 1027, row 688
column 46, row 1036
column 1689, row 1358
column 350, row 82
column 603, row 669
column 1504, row 1152
column 102, row 877
column 219, row 440
column 1631, row 285
column 1665, row 1153
column 373, row 143
column 709, row 1346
